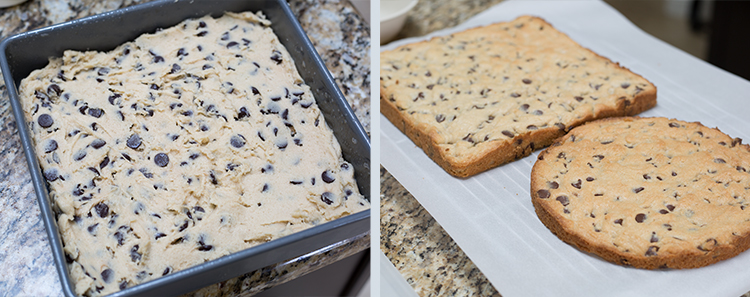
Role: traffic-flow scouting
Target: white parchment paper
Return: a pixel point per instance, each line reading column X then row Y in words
column 490, row 215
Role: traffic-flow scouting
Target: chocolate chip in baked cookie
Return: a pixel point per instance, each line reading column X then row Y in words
column 640, row 218
column 161, row 159
column 544, row 194
column 564, row 200
column 45, row 120
column 134, row 141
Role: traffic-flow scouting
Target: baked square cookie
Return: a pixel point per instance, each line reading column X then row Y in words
column 646, row 192
column 486, row 96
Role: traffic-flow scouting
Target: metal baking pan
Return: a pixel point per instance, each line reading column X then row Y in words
column 25, row 52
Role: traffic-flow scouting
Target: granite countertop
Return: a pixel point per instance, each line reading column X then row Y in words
column 342, row 39
column 425, row 255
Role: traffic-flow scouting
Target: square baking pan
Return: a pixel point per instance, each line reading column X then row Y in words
column 25, row 52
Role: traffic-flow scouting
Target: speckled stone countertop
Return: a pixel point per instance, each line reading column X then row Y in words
column 339, row 34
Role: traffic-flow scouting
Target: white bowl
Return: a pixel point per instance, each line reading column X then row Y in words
column 8, row 3
column 392, row 17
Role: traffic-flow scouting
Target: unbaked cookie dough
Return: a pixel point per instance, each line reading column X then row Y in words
column 180, row 147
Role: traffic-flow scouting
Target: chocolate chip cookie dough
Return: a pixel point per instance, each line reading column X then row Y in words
column 180, row 147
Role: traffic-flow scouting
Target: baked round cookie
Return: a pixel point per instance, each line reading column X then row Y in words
column 646, row 192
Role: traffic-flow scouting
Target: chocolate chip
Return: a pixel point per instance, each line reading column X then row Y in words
column 237, row 141
column 327, row 197
column 640, row 217
column 719, row 161
column 651, row 251
column 51, row 146
column 618, row 221
column 328, row 177
column 281, row 144
column 564, row 200
column 107, row 275
column 134, row 141
column 167, row 270
column 203, row 247
column 526, row 81
column 232, row 44
column 515, row 95
column 589, row 179
column 440, row 118
column 92, row 228
column 544, row 194
column 577, row 184
column 51, row 174
column 175, row 68
column 54, row 88
column 276, row 56
column 578, row 98
column 653, row 237
column 674, row 125
column 638, row 190
column 508, row 133
column 104, row 162
column 101, row 209
column 45, row 120
column 79, row 155
column 266, row 187
column 98, row 143
column 134, row 255
column 161, row 159
column 625, row 85
column 553, row 185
